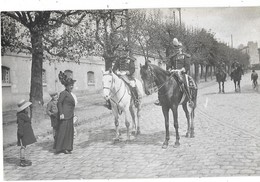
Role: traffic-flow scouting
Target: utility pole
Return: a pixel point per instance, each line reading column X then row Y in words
column 173, row 16
column 231, row 41
column 179, row 9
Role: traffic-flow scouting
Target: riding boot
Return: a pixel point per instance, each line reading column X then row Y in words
column 186, row 90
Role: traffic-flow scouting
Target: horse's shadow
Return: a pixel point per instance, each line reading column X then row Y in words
column 107, row 136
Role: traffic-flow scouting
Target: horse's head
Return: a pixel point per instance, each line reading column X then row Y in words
column 147, row 77
column 107, row 83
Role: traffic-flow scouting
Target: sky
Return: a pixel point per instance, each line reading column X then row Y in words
column 241, row 18
column 243, row 23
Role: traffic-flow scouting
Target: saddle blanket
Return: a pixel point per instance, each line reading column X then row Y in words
column 191, row 86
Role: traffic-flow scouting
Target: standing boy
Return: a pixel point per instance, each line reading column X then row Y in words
column 52, row 111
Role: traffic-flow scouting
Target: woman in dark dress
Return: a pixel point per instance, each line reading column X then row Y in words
column 66, row 105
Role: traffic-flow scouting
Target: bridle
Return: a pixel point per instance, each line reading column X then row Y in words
column 110, row 89
column 155, row 77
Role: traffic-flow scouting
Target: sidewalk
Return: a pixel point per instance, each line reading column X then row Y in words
column 89, row 108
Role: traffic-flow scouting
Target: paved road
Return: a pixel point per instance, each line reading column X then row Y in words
column 226, row 143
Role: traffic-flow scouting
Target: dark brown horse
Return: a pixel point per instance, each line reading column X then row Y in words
column 170, row 97
column 236, row 75
column 221, row 78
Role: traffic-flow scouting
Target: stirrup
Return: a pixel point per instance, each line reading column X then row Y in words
column 191, row 103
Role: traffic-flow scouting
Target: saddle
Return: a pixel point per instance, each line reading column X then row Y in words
column 190, row 84
column 133, row 92
column 189, row 80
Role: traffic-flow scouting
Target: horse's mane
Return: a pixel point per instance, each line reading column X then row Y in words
column 167, row 73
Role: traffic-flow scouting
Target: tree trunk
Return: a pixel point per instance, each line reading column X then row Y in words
column 108, row 63
column 211, row 72
column 36, row 91
column 206, row 72
column 201, row 71
column 196, row 72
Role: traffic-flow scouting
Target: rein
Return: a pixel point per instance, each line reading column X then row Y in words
column 154, row 76
column 112, row 96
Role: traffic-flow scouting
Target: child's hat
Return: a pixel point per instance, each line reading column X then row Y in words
column 53, row 93
column 23, row 105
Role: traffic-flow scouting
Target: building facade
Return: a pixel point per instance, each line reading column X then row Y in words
column 16, row 77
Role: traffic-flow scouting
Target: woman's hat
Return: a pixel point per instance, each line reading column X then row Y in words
column 23, row 105
column 66, row 78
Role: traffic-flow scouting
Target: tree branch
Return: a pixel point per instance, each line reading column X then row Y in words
column 17, row 17
column 97, row 34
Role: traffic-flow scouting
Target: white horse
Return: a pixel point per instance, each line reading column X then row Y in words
column 117, row 91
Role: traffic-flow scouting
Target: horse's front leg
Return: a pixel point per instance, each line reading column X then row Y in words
column 165, row 111
column 131, row 109
column 116, row 115
column 223, row 87
column 235, row 86
column 238, row 84
column 127, row 124
column 219, row 87
column 138, row 110
column 184, row 106
column 176, row 125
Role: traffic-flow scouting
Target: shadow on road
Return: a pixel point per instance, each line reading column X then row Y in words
column 46, row 145
column 108, row 135
column 246, row 91
column 12, row 160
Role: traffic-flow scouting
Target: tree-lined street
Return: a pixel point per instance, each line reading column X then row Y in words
column 226, row 143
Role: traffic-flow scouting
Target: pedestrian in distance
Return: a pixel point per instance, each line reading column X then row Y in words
column 25, row 134
column 254, row 77
column 66, row 105
column 52, row 111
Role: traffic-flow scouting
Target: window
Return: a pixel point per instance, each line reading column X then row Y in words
column 44, row 77
column 5, row 75
column 91, row 79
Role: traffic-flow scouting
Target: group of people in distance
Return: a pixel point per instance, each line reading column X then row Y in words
column 61, row 112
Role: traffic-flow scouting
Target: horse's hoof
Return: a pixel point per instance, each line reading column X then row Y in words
column 138, row 132
column 116, row 140
column 127, row 141
column 164, row 146
column 187, row 135
column 177, row 144
column 192, row 135
column 133, row 133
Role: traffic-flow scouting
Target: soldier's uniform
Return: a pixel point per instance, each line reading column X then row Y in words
column 125, row 69
column 179, row 65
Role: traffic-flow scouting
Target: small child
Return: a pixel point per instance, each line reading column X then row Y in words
column 25, row 135
column 52, row 111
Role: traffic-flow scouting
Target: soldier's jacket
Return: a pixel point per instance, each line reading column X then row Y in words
column 125, row 65
column 178, row 61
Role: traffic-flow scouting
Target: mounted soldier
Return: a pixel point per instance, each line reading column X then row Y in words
column 178, row 65
column 125, row 68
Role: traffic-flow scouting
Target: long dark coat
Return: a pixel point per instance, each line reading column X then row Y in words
column 65, row 132
column 24, row 130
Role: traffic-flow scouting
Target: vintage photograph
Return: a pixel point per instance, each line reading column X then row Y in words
column 130, row 93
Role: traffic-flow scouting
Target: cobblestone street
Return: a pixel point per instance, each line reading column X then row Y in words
column 226, row 143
